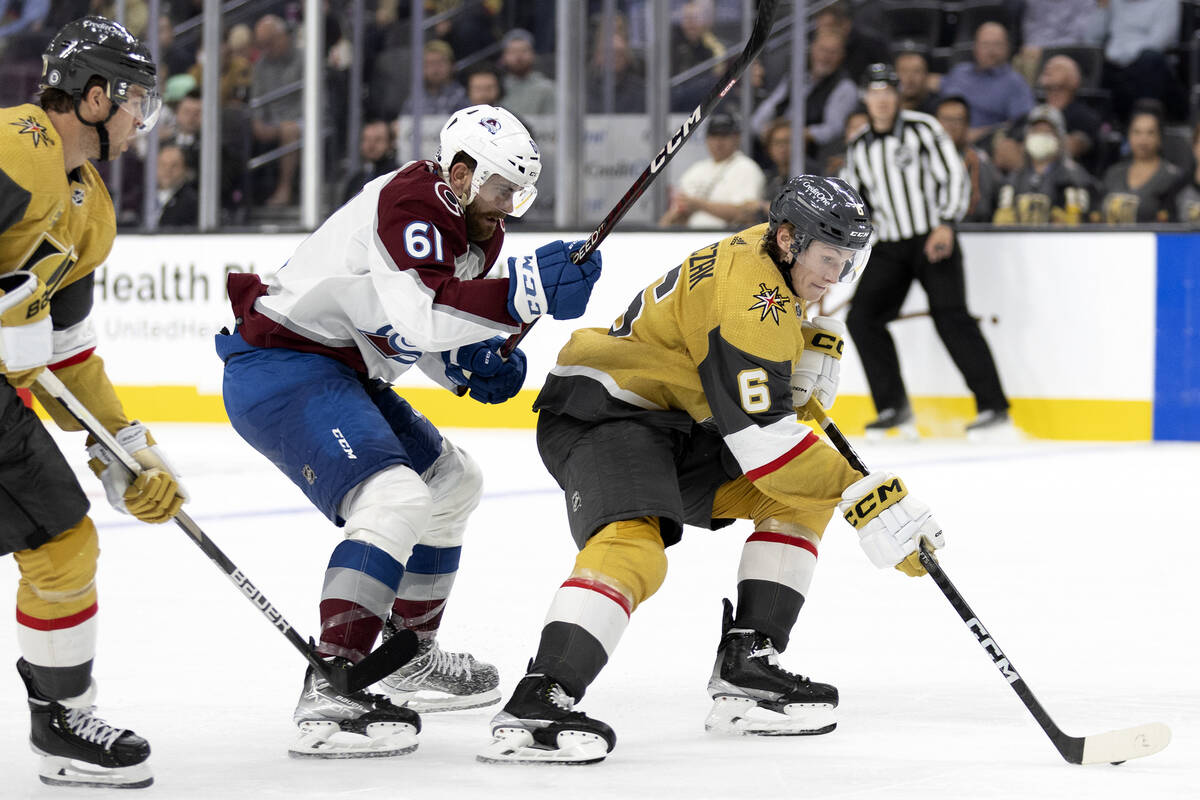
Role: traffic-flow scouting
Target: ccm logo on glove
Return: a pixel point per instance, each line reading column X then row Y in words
column 883, row 497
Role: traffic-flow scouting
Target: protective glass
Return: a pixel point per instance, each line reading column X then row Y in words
column 502, row 193
column 143, row 104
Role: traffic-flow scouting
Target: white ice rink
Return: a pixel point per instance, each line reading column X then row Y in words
column 1080, row 558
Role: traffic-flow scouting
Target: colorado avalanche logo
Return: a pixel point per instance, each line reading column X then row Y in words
column 770, row 301
column 492, row 124
column 392, row 345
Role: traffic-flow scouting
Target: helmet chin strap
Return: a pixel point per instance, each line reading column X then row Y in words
column 101, row 130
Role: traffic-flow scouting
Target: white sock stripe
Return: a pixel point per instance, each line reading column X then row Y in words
column 66, row 647
column 778, row 563
column 593, row 611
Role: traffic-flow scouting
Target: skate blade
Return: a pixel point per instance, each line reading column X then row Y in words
column 428, row 702
column 742, row 716
column 327, row 740
column 516, row 746
column 905, row 433
column 60, row 771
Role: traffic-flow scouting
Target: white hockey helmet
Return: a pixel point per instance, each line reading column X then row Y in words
column 500, row 145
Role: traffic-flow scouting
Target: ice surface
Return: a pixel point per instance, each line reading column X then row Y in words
column 1080, row 559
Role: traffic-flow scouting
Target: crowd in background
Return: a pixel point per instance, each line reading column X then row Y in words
column 1064, row 111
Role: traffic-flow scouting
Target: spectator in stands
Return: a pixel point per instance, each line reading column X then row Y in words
column 998, row 93
column 913, row 70
column 777, row 145
column 1051, row 23
column 178, row 200
column 1188, row 202
column 1136, row 35
column 722, row 191
column 443, row 94
column 693, row 42
column 237, row 67
column 954, row 113
column 471, row 30
column 1050, row 187
column 1142, row 188
column 615, row 66
column 484, row 85
column 377, row 148
column 1059, row 83
column 835, row 159
column 526, row 91
column 188, row 118
column 861, row 46
column 277, row 123
column 829, row 101
column 175, row 57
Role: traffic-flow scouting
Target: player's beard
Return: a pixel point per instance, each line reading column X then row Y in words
column 481, row 226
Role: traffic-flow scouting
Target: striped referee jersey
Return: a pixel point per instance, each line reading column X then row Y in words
column 911, row 177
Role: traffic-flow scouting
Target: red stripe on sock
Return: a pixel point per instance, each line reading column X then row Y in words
column 604, row 589
column 78, row 358
column 766, row 469
column 357, row 635
column 780, row 538
column 58, row 624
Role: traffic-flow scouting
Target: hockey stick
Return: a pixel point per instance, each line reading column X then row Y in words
column 764, row 15
column 1112, row 746
column 378, row 664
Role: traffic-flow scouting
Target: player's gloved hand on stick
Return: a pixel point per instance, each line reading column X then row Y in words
column 26, row 335
column 817, row 371
column 549, row 282
column 155, row 495
column 482, row 369
column 889, row 522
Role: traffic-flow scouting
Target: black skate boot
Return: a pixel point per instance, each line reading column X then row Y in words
column 893, row 420
column 747, row 676
column 539, row 726
column 80, row 749
column 358, row 725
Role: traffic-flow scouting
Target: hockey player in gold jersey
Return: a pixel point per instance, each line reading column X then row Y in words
column 685, row 412
column 56, row 226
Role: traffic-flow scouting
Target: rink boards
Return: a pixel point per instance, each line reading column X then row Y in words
column 1095, row 334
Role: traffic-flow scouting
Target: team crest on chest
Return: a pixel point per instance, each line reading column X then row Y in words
column 35, row 129
column 769, row 302
column 77, row 196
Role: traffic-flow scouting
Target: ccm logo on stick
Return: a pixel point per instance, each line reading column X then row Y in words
column 993, row 650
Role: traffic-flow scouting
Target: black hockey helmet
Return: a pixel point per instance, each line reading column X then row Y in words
column 95, row 45
column 825, row 210
column 878, row 76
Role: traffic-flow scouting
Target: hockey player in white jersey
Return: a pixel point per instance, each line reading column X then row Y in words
column 393, row 279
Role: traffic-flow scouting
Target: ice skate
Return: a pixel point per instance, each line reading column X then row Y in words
column 435, row 680
column 992, row 426
column 539, row 726
column 359, row 725
column 893, row 421
column 752, row 694
column 80, row 749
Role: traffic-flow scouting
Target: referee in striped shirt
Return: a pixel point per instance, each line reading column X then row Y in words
column 909, row 173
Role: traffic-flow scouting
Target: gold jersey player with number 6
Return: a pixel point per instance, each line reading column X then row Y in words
column 684, row 411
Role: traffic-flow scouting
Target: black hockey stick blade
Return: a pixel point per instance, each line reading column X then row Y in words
column 394, row 653
column 764, row 17
column 1112, row 747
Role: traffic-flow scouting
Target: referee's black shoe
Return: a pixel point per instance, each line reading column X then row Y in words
column 899, row 420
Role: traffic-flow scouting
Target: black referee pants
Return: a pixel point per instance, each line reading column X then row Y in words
column 881, row 291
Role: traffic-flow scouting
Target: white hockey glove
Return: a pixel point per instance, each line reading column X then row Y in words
column 155, row 495
column 889, row 522
column 26, row 334
column 817, row 372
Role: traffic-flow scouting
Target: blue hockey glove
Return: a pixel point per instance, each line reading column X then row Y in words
column 480, row 368
column 549, row 282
